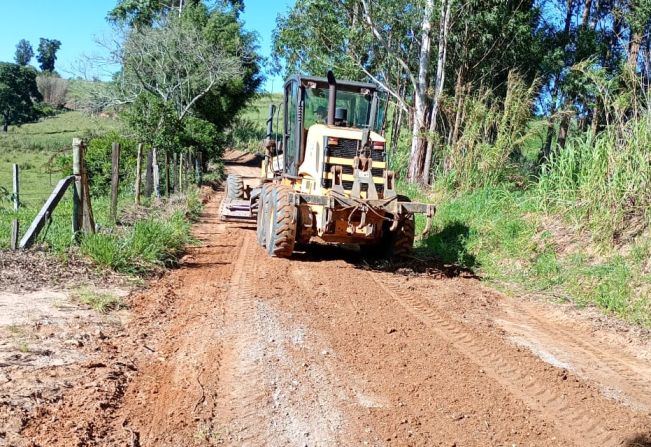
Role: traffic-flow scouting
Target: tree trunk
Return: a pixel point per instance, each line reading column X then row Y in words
column 460, row 93
column 563, row 129
column 595, row 17
column 634, row 50
column 568, row 17
column 438, row 86
column 587, row 6
column 418, row 146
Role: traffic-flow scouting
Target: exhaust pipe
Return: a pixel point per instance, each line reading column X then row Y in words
column 332, row 98
column 270, row 121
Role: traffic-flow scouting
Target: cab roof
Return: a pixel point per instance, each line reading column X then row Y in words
column 342, row 85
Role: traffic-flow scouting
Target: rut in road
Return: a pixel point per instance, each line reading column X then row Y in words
column 577, row 421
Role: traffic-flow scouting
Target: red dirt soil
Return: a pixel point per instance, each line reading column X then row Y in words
column 236, row 348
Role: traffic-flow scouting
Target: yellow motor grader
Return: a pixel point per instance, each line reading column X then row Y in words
column 325, row 177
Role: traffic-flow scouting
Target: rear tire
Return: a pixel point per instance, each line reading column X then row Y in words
column 394, row 243
column 234, row 186
column 281, row 226
column 402, row 243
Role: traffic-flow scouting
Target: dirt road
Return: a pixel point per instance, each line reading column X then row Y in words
column 235, row 348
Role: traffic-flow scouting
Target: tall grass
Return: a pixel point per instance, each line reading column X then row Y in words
column 576, row 228
column 604, row 182
column 494, row 133
column 150, row 243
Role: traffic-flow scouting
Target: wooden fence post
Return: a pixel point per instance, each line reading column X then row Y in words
column 115, row 180
column 77, row 211
column 16, row 172
column 149, row 174
column 180, row 179
column 198, row 167
column 156, row 173
column 15, row 229
column 138, row 171
column 167, row 174
column 81, row 183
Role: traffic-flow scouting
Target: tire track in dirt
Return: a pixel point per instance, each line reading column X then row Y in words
column 172, row 400
column 407, row 380
column 573, row 419
column 268, row 396
column 615, row 370
column 240, row 387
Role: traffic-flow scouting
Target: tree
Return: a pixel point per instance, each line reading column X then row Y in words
column 175, row 63
column 187, row 71
column 47, row 53
column 144, row 13
column 17, row 94
column 24, row 52
column 391, row 42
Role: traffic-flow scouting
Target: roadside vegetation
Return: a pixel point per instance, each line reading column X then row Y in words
column 527, row 124
column 186, row 73
column 574, row 229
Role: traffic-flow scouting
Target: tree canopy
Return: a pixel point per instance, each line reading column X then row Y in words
column 24, row 52
column 47, row 53
column 187, row 70
column 430, row 55
column 18, row 92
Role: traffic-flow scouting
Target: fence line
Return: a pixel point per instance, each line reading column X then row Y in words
column 183, row 167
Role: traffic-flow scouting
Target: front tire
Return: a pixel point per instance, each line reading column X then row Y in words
column 396, row 243
column 402, row 240
column 281, row 226
column 234, row 186
column 263, row 214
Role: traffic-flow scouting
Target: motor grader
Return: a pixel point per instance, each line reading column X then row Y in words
column 325, row 177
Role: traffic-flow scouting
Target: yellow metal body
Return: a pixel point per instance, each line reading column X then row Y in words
column 311, row 172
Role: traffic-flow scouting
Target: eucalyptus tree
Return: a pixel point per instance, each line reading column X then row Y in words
column 24, row 52
column 47, row 53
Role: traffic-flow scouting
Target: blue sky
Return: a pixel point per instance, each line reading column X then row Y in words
column 76, row 23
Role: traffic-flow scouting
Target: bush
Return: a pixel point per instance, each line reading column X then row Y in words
column 99, row 162
column 53, row 89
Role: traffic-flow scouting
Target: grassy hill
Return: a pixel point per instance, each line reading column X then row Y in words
column 34, row 147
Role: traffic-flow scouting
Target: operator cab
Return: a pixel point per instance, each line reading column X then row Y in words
column 307, row 101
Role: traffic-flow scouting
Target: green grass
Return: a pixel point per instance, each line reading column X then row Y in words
column 57, row 132
column 34, row 146
column 500, row 234
column 149, row 244
column 102, row 302
column 250, row 126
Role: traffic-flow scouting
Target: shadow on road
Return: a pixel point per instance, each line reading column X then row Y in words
column 421, row 263
column 639, row 441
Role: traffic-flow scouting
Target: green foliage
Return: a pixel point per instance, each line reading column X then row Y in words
column 98, row 160
column 603, row 182
column 490, row 148
column 501, row 234
column 209, row 50
column 47, row 53
column 24, row 52
column 102, row 302
column 149, row 244
column 17, row 94
column 151, row 121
